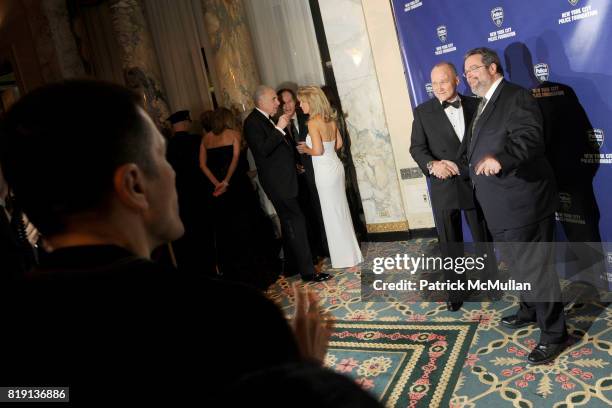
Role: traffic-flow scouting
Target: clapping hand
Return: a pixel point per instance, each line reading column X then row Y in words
column 312, row 329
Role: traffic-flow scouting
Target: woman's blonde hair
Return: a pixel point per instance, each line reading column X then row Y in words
column 319, row 105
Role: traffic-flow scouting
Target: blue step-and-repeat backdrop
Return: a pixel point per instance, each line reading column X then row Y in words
column 562, row 51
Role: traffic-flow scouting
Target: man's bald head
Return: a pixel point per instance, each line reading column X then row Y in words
column 444, row 81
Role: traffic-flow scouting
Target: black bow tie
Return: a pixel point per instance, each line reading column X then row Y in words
column 455, row 104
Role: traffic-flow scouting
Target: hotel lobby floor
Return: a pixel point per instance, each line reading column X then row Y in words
column 495, row 370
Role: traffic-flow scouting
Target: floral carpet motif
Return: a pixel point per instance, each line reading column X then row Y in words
column 404, row 364
column 494, row 371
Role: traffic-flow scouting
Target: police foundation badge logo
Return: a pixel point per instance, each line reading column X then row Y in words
column 497, row 15
column 596, row 137
column 573, row 2
column 442, row 33
column 429, row 89
column 541, row 71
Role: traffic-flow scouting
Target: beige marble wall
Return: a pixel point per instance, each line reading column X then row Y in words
column 371, row 147
column 232, row 50
column 139, row 60
column 397, row 109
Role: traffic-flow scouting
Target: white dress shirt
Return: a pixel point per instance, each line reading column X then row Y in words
column 491, row 90
column 455, row 116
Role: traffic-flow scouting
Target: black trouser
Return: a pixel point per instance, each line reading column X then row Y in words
column 531, row 257
column 450, row 237
column 311, row 208
column 295, row 238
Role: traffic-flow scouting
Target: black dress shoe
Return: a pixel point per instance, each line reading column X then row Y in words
column 545, row 352
column 514, row 322
column 320, row 277
column 453, row 306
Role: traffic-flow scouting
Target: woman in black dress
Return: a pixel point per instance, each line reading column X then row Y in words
column 246, row 248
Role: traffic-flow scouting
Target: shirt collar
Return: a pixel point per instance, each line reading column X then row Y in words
column 264, row 113
column 450, row 100
column 492, row 89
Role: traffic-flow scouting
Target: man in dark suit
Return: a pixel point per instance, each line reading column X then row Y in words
column 103, row 214
column 437, row 134
column 196, row 248
column 308, row 196
column 274, row 157
column 514, row 184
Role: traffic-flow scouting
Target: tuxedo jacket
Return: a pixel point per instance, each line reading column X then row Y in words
column 433, row 138
column 510, row 129
column 305, row 159
column 274, row 157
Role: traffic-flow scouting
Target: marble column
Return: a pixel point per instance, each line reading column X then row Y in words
column 138, row 57
column 230, row 40
column 353, row 64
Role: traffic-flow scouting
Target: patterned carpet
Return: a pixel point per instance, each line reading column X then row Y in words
column 495, row 371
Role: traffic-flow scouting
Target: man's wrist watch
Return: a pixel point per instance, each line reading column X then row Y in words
column 430, row 166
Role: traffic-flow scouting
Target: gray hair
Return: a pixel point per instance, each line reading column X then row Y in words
column 488, row 57
column 259, row 91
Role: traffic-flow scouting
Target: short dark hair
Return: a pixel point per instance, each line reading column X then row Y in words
column 488, row 57
column 280, row 94
column 61, row 144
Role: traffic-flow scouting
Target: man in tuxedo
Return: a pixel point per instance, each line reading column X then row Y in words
column 514, row 184
column 274, row 156
column 437, row 134
column 308, row 196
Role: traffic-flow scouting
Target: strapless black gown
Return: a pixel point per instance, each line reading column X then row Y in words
column 246, row 249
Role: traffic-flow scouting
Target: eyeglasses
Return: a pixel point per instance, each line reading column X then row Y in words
column 465, row 74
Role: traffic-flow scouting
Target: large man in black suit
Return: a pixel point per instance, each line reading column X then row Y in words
column 514, row 184
column 308, row 196
column 437, row 134
column 275, row 159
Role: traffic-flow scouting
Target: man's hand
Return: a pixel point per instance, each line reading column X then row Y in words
column 312, row 329
column 301, row 147
column 488, row 166
column 300, row 168
column 444, row 169
column 283, row 121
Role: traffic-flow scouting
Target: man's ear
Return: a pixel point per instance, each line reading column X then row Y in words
column 130, row 187
column 492, row 68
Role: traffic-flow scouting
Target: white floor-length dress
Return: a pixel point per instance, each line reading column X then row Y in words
column 329, row 178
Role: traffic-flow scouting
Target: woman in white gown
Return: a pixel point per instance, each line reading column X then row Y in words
column 321, row 143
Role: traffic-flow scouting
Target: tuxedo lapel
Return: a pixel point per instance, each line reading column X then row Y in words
column 444, row 123
column 486, row 114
